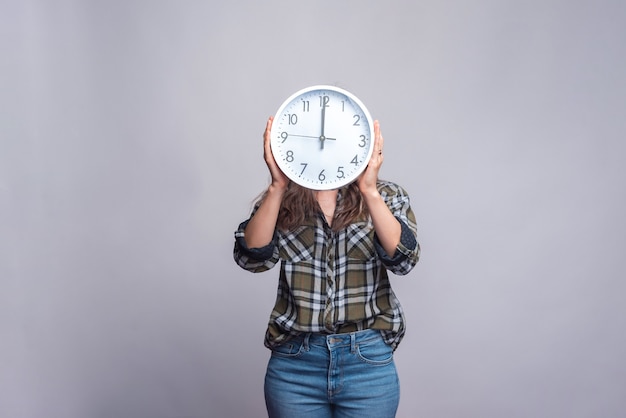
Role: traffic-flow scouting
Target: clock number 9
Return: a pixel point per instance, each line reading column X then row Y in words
column 284, row 136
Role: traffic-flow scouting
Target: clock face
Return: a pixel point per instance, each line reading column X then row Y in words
column 322, row 137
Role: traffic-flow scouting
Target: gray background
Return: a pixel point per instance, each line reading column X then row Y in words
column 130, row 149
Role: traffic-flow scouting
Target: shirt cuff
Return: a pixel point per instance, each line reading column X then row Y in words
column 408, row 243
column 261, row 253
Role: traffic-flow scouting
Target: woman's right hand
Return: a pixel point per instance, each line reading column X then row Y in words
column 260, row 229
column 279, row 179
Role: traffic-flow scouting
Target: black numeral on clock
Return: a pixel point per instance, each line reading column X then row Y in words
column 289, row 156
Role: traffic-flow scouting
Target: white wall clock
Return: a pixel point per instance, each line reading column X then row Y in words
column 322, row 137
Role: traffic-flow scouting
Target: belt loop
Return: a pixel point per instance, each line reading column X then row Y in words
column 353, row 342
column 305, row 343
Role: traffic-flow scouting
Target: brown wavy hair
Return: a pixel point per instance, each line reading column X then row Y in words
column 299, row 205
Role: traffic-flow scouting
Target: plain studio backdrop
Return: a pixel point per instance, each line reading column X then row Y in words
column 130, row 150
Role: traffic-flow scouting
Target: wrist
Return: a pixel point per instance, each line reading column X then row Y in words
column 370, row 194
column 277, row 189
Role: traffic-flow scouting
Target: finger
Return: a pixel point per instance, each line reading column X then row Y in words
column 268, row 129
column 378, row 140
column 267, row 138
column 376, row 134
column 268, row 154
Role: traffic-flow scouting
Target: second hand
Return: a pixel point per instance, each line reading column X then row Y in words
column 310, row 136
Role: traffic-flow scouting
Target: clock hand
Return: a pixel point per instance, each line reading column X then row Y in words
column 305, row 136
column 322, row 137
column 326, row 139
column 325, row 99
column 310, row 136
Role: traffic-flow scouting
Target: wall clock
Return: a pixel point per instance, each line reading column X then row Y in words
column 322, row 137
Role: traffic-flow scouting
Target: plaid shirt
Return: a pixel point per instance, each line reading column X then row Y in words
column 335, row 281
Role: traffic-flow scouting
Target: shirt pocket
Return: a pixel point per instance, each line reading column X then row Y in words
column 360, row 241
column 297, row 245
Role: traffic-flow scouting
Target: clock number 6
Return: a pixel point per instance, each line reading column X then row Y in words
column 322, row 176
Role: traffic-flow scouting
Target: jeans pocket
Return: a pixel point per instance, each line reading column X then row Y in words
column 376, row 352
column 289, row 349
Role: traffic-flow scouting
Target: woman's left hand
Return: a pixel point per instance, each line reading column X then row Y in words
column 367, row 180
column 387, row 227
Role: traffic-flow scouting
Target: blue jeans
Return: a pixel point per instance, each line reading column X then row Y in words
column 340, row 375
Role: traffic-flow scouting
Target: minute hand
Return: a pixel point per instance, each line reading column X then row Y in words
column 322, row 136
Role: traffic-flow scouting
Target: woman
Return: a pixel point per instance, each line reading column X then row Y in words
column 336, row 321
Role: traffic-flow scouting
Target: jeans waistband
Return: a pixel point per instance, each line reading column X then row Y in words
column 350, row 339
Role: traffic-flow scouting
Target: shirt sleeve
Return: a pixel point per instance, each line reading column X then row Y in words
column 408, row 250
column 254, row 259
